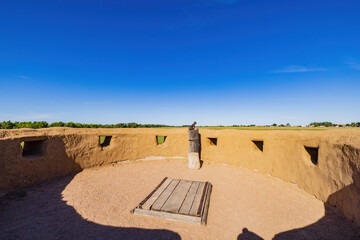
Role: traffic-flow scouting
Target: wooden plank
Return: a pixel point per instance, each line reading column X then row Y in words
column 156, row 193
column 194, row 140
column 148, row 196
column 203, row 201
column 204, row 213
column 179, row 200
column 177, row 197
column 189, row 199
column 203, row 196
column 170, row 216
column 160, row 201
column 195, row 206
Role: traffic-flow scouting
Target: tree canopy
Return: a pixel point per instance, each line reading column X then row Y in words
column 43, row 124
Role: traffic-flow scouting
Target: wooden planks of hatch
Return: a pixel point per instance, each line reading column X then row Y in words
column 177, row 199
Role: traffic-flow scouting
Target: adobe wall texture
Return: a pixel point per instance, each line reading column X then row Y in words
column 335, row 179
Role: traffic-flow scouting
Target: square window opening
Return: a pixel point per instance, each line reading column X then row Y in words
column 213, row 141
column 160, row 139
column 32, row 149
column 313, row 154
column 105, row 141
column 259, row 144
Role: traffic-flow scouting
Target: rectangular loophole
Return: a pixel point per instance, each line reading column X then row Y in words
column 259, row 144
column 160, row 139
column 32, row 149
column 213, row 141
column 313, row 154
column 105, row 141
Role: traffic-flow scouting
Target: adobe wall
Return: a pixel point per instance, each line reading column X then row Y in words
column 334, row 179
column 69, row 150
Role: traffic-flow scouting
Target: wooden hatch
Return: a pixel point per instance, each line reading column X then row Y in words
column 177, row 199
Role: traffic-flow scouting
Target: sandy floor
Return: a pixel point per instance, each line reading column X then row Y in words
column 96, row 203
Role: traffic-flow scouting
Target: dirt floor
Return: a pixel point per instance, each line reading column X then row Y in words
column 96, row 204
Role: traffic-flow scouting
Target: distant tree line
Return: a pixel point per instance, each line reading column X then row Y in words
column 43, row 124
column 330, row 124
column 322, row 124
column 272, row 125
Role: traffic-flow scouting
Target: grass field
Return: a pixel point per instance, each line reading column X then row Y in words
column 269, row 128
column 260, row 128
column 284, row 128
column 102, row 139
column 160, row 139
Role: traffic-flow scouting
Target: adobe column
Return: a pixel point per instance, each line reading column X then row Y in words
column 194, row 144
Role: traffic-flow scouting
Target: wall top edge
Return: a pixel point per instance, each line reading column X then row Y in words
column 58, row 131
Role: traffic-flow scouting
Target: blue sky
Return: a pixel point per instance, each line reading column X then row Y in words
column 219, row 62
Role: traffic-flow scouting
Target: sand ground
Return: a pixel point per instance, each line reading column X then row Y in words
column 96, row 204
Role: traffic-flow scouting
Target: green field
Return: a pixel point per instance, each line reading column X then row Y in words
column 160, row 139
column 261, row 128
column 282, row 128
column 271, row 128
column 102, row 139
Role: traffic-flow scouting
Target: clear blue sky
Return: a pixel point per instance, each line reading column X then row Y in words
column 172, row 62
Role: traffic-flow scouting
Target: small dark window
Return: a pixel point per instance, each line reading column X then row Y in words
column 105, row 141
column 259, row 144
column 313, row 154
column 213, row 141
column 32, row 149
column 160, row 139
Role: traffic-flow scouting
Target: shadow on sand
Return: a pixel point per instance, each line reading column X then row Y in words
column 39, row 217
column 333, row 225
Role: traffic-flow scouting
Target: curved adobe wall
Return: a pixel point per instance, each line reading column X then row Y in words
column 68, row 150
column 334, row 179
